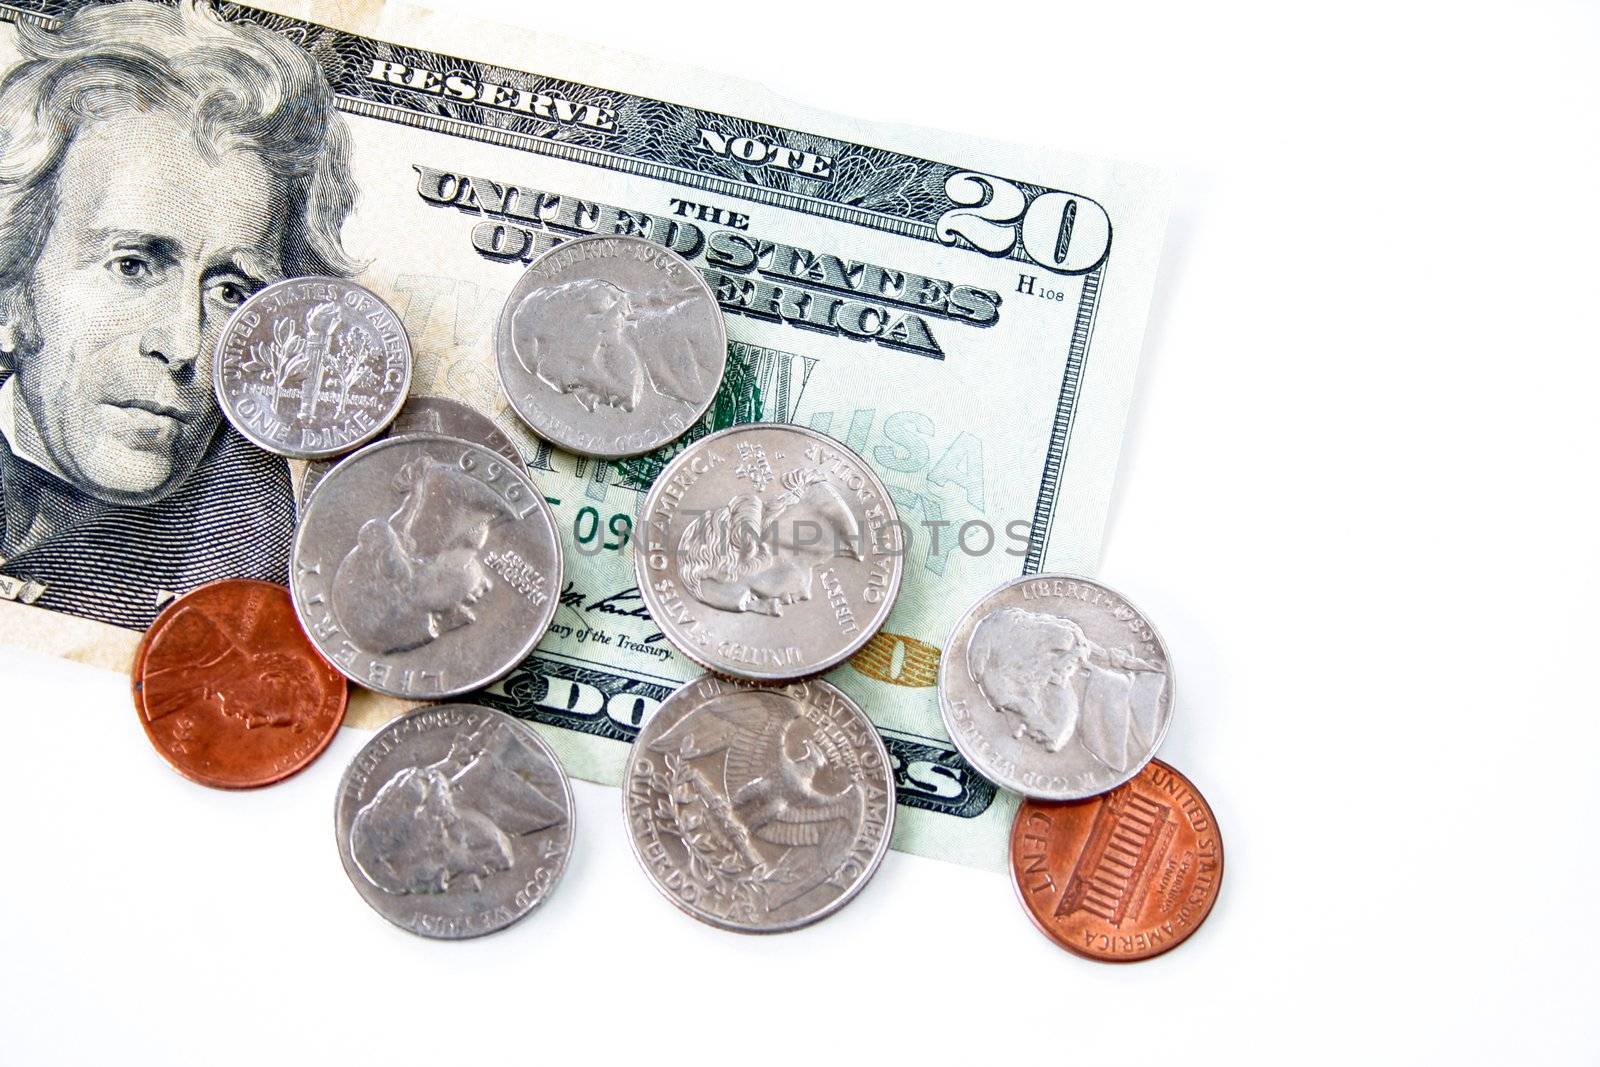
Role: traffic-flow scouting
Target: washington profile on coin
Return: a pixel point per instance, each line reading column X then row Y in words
column 759, row 809
column 426, row 567
column 769, row 552
column 610, row 346
column 1055, row 687
column 312, row 367
column 454, row 821
column 433, row 415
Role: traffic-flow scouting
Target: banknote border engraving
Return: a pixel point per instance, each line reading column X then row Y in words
column 527, row 693
column 895, row 180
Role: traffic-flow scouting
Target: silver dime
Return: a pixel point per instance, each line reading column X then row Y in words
column 425, row 567
column 1055, row 687
column 428, row 414
column 454, row 821
column 759, row 809
column 312, row 367
column 610, row 346
column 769, row 552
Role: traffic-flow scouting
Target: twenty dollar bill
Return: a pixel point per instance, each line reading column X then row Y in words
column 965, row 315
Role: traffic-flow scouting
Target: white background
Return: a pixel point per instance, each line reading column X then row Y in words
column 1358, row 493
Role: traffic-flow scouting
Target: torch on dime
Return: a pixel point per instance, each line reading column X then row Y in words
column 312, row 367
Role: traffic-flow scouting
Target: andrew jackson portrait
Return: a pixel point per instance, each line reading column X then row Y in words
column 157, row 166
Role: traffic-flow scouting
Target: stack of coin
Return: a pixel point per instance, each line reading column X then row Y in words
column 759, row 798
column 227, row 686
column 766, row 554
column 1059, row 689
column 425, row 564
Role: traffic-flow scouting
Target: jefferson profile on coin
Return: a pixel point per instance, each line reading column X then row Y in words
column 582, row 338
column 416, row 574
column 158, row 165
column 1056, row 684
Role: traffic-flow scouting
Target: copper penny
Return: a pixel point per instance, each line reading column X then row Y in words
column 230, row 691
column 1123, row 876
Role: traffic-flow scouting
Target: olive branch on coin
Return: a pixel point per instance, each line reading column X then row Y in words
column 688, row 814
column 346, row 361
column 280, row 359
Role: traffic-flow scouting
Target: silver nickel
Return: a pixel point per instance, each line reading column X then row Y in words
column 1056, row 687
column 454, row 821
column 434, row 415
column 312, row 367
column 610, row 346
column 425, row 567
column 769, row 552
column 759, row 809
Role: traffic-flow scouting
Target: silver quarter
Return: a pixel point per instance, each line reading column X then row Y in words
column 610, row 346
column 769, row 552
column 433, row 415
column 454, row 821
column 312, row 367
column 425, row 567
column 759, row 809
column 1056, row 687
